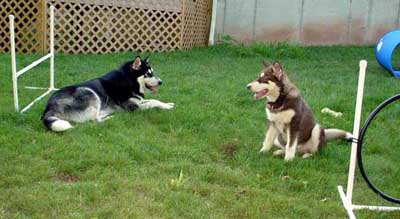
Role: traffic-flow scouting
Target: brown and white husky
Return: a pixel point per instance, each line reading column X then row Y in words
column 291, row 125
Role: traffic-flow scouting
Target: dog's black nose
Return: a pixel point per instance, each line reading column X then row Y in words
column 160, row 82
column 248, row 87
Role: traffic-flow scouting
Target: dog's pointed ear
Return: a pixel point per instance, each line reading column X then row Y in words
column 147, row 59
column 136, row 63
column 278, row 71
column 266, row 63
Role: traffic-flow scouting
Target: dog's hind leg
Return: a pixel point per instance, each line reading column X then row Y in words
column 314, row 142
column 56, row 124
column 85, row 106
column 99, row 116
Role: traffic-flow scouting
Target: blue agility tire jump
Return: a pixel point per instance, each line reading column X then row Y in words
column 384, row 49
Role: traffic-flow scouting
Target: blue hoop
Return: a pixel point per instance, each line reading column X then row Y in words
column 384, row 49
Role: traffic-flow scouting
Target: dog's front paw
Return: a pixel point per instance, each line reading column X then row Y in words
column 265, row 148
column 307, row 155
column 279, row 152
column 168, row 106
column 289, row 157
column 290, row 152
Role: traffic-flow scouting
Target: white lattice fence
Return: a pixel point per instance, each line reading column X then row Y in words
column 196, row 23
column 100, row 26
column 93, row 26
column 28, row 25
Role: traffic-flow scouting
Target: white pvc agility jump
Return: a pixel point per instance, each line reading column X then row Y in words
column 16, row 74
column 347, row 197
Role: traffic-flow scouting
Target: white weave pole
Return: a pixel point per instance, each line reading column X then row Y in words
column 13, row 63
column 16, row 74
column 347, row 197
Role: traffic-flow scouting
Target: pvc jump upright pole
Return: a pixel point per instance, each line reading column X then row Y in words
column 347, row 197
column 51, row 48
column 356, row 129
column 16, row 74
column 13, row 63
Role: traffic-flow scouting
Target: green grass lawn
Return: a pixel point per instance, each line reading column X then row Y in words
column 129, row 166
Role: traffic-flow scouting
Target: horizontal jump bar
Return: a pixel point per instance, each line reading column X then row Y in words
column 40, row 88
column 33, row 64
column 379, row 208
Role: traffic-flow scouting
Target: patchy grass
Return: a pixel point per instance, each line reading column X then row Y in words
column 201, row 159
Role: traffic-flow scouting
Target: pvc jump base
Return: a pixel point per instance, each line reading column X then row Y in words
column 347, row 197
column 384, row 50
column 16, row 74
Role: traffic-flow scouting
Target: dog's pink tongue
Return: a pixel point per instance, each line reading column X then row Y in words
column 260, row 94
column 153, row 89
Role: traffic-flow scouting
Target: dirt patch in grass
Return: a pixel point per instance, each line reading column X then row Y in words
column 230, row 148
column 67, row 177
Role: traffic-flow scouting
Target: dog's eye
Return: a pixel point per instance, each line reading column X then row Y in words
column 262, row 80
column 149, row 73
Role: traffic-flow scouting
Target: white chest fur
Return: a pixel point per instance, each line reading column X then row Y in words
column 283, row 117
column 280, row 119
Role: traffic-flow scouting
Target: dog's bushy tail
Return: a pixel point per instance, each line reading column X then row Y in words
column 337, row 133
column 53, row 123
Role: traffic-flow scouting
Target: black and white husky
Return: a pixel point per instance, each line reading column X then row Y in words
column 118, row 90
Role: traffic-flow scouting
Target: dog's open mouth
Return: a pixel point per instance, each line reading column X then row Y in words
column 260, row 94
column 153, row 89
